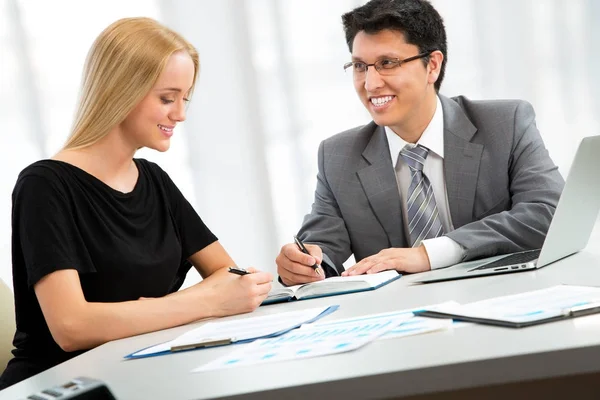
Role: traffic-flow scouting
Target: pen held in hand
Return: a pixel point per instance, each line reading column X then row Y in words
column 303, row 249
column 238, row 271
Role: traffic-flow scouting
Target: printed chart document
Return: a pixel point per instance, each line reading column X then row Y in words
column 525, row 309
column 236, row 331
column 332, row 286
column 417, row 326
column 409, row 327
column 308, row 341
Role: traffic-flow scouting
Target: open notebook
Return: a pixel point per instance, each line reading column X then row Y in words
column 331, row 287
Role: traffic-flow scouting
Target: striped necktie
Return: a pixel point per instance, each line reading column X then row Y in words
column 422, row 212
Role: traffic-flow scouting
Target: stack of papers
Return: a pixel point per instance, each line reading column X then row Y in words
column 332, row 337
column 309, row 341
column 236, row 331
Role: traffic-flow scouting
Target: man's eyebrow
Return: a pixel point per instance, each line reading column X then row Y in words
column 380, row 57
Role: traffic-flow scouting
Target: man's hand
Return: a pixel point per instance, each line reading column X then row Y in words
column 294, row 267
column 401, row 259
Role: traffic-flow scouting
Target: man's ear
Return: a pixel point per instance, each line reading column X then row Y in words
column 435, row 66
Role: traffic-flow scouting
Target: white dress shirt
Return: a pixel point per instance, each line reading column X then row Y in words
column 442, row 251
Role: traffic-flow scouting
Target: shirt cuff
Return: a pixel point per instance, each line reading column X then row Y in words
column 443, row 252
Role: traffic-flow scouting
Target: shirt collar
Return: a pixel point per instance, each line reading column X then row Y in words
column 432, row 137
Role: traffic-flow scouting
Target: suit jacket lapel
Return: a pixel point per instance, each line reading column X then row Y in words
column 461, row 162
column 378, row 180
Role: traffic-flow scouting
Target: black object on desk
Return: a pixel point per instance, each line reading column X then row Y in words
column 80, row 388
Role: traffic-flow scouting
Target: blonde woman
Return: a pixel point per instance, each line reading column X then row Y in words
column 102, row 241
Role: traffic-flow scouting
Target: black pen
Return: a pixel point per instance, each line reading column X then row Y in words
column 303, row 249
column 238, row 271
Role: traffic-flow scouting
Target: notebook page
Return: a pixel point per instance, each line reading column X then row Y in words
column 371, row 280
column 340, row 284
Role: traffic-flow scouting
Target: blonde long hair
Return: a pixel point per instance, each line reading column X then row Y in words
column 121, row 67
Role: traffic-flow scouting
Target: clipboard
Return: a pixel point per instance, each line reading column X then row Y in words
column 525, row 309
column 222, row 333
column 204, row 343
column 574, row 312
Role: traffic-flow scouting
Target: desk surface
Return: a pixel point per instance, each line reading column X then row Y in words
column 455, row 359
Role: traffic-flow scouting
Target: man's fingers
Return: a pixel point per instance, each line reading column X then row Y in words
column 294, row 254
column 284, row 263
column 300, row 269
column 363, row 266
column 295, row 267
column 383, row 266
column 316, row 252
column 290, row 279
column 286, row 281
column 359, row 269
column 295, row 274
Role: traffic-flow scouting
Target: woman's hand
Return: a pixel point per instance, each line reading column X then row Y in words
column 229, row 294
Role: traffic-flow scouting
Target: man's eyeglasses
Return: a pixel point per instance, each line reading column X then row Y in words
column 385, row 66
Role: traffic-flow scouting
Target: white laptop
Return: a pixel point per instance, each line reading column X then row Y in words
column 569, row 232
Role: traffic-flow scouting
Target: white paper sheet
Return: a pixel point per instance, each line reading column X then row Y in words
column 413, row 326
column 239, row 329
column 309, row 341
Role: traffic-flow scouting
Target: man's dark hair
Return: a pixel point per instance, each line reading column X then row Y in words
column 420, row 23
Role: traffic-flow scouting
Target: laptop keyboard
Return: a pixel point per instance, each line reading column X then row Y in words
column 518, row 258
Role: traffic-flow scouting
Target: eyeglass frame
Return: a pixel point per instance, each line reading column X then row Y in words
column 399, row 61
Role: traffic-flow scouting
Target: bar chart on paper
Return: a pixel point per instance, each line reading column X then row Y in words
column 308, row 341
column 410, row 327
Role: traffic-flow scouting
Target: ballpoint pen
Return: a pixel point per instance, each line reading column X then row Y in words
column 238, row 271
column 317, row 266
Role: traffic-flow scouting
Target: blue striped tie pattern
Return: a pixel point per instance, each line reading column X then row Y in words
column 421, row 208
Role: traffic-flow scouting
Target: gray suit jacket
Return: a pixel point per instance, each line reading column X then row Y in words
column 502, row 185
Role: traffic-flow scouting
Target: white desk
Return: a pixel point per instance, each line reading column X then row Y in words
column 459, row 359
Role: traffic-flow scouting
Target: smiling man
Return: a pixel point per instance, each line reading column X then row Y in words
column 431, row 181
